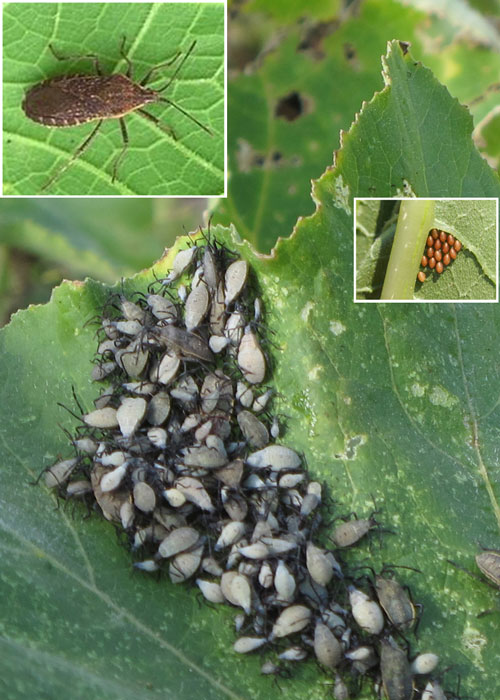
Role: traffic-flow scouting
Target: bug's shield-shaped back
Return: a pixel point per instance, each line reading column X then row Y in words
column 77, row 99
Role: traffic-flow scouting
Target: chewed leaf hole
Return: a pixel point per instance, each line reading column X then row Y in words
column 291, row 106
column 249, row 159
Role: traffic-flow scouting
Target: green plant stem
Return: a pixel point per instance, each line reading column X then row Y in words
column 414, row 221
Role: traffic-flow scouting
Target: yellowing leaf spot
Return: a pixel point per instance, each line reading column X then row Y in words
column 337, row 327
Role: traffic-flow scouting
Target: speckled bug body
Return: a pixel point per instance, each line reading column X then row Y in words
column 396, row 675
column 489, row 563
column 78, row 99
column 395, row 602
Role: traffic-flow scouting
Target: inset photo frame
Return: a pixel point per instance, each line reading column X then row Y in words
column 114, row 99
column 425, row 250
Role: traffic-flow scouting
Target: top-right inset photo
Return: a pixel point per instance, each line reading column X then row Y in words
column 426, row 250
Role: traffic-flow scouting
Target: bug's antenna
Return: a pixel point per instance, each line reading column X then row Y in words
column 176, row 72
column 205, row 128
column 167, row 101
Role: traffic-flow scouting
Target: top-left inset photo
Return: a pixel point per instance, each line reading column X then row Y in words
column 114, row 99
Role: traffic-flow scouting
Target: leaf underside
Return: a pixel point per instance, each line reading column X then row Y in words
column 471, row 277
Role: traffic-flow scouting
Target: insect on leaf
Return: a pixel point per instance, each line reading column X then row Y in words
column 155, row 161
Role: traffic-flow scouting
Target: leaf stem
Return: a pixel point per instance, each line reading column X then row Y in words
column 414, row 221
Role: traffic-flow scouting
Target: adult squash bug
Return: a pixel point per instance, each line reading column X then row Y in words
column 70, row 100
column 488, row 562
column 397, row 678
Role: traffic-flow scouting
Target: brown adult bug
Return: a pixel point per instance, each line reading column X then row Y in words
column 397, row 678
column 77, row 99
column 396, row 603
column 489, row 564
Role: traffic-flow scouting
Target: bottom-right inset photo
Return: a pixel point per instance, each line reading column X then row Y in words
column 425, row 250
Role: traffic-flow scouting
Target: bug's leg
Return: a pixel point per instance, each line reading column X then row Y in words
column 155, row 120
column 190, row 116
column 81, row 148
column 122, row 152
column 176, row 72
column 126, row 58
column 472, row 574
column 91, row 56
column 152, row 70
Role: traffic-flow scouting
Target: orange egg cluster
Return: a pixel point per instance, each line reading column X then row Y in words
column 441, row 249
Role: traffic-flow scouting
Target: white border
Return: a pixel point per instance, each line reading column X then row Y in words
column 116, row 196
column 1, row 100
column 424, row 301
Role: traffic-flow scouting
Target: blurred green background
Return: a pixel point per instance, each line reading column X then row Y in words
column 296, row 78
column 43, row 241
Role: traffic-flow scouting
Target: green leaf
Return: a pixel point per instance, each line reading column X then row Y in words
column 5, row 283
column 155, row 163
column 391, row 404
column 417, row 157
column 375, row 226
column 488, row 135
column 334, row 66
column 98, row 628
column 474, row 224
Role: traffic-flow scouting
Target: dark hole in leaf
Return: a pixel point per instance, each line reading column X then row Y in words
column 290, row 107
column 248, row 158
column 349, row 51
column 313, row 36
column 405, row 45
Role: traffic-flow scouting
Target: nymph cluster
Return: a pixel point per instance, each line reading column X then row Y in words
column 181, row 453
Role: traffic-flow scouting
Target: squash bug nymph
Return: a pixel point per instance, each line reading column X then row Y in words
column 70, row 100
